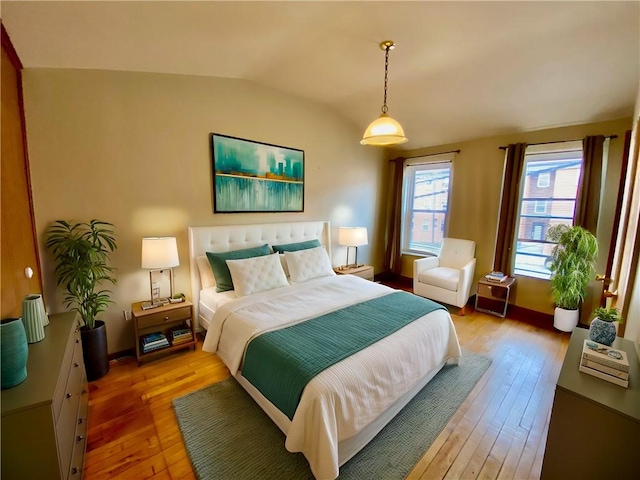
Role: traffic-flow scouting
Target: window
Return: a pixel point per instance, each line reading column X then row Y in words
column 425, row 201
column 544, row 179
column 559, row 164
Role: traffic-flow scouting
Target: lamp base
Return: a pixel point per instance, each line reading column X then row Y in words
column 350, row 266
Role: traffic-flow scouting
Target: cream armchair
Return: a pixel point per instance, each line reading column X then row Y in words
column 447, row 278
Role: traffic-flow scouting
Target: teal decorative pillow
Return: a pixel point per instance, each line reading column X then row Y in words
column 220, row 269
column 294, row 247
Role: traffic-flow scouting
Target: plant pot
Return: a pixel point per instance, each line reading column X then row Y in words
column 602, row 332
column 94, row 350
column 565, row 320
column 13, row 352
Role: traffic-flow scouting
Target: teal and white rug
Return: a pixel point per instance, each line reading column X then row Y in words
column 229, row 437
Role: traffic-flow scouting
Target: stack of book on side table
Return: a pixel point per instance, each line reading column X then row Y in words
column 153, row 341
column 180, row 335
column 605, row 362
column 496, row 277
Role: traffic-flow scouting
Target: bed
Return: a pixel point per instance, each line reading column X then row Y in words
column 346, row 404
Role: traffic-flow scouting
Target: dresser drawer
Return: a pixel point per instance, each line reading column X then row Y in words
column 73, row 353
column 159, row 318
column 76, row 465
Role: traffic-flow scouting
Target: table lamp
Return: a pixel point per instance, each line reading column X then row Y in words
column 352, row 237
column 158, row 254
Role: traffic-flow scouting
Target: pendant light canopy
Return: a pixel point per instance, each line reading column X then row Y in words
column 384, row 130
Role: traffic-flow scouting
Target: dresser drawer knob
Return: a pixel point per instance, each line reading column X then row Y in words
column 76, row 364
column 75, row 471
column 80, row 421
column 68, row 395
column 166, row 319
column 80, row 438
column 77, row 340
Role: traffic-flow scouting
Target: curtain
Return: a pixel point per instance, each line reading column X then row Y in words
column 509, row 207
column 588, row 201
column 392, row 258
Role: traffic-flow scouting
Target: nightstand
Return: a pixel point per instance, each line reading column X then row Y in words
column 162, row 319
column 363, row 271
column 493, row 297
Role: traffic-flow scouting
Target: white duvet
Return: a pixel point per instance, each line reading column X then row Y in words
column 343, row 399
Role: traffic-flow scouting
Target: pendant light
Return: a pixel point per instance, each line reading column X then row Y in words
column 384, row 130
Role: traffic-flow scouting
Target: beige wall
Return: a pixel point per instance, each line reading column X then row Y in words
column 476, row 190
column 133, row 149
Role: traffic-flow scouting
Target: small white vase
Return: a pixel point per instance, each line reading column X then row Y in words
column 565, row 320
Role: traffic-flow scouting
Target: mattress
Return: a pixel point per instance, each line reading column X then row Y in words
column 210, row 301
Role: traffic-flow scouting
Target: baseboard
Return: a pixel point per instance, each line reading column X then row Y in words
column 514, row 312
column 532, row 317
column 129, row 352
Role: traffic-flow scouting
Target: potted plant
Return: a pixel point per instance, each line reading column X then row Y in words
column 604, row 327
column 81, row 252
column 573, row 265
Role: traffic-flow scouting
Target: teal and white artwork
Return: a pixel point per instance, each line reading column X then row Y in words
column 256, row 177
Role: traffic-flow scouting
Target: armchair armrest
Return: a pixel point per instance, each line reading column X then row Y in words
column 423, row 264
column 466, row 279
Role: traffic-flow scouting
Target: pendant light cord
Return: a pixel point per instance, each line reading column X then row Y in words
column 386, row 78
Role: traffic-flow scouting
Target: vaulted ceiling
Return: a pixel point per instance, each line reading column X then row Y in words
column 461, row 70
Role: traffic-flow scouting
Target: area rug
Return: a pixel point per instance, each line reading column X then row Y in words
column 229, row 437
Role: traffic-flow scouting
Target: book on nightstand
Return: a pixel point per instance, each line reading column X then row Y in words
column 496, row 277
column 180, row 335
column 153, row 341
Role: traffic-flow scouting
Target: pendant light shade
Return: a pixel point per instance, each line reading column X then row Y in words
column 384, row 130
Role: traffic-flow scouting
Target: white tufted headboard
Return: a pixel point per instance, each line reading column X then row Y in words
column 224, row 238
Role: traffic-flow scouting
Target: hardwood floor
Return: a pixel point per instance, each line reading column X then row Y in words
column 499, row 431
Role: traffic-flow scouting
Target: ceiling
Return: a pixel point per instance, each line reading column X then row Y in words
column 461, row 70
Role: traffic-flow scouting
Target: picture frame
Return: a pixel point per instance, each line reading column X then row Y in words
column 250, row 176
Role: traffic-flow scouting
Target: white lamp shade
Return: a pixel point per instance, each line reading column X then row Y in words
column 384, row 131
column 352, row 236
column 159, row 253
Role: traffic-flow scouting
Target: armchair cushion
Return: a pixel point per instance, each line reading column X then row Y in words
column 443, row 277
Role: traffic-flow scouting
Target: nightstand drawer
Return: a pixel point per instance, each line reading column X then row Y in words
column 158, row 318
column 363, row 271
column 495, row 292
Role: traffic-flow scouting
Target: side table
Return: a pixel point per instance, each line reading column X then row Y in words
column 493, row 297
column 162, row 319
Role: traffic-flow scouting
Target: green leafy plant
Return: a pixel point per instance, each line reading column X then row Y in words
column 608, row 314
column 82, row 252
column 573, row 264
column 176, row 296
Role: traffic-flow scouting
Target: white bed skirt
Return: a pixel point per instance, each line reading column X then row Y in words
column 349, row 447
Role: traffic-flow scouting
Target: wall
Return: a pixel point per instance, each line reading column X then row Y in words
column 133, row 149
column 476, row 191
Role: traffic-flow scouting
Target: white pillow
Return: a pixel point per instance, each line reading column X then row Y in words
column 307, row 264
column 256, row 274
column 283, row 262
column 206, row 274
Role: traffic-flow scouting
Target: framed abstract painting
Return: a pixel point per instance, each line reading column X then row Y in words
column 254, row 177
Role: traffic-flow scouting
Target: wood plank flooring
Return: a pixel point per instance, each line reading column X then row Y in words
column 499, row 432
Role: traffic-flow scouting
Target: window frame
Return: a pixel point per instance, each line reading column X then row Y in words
column 557, row 151
column 412, row 167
